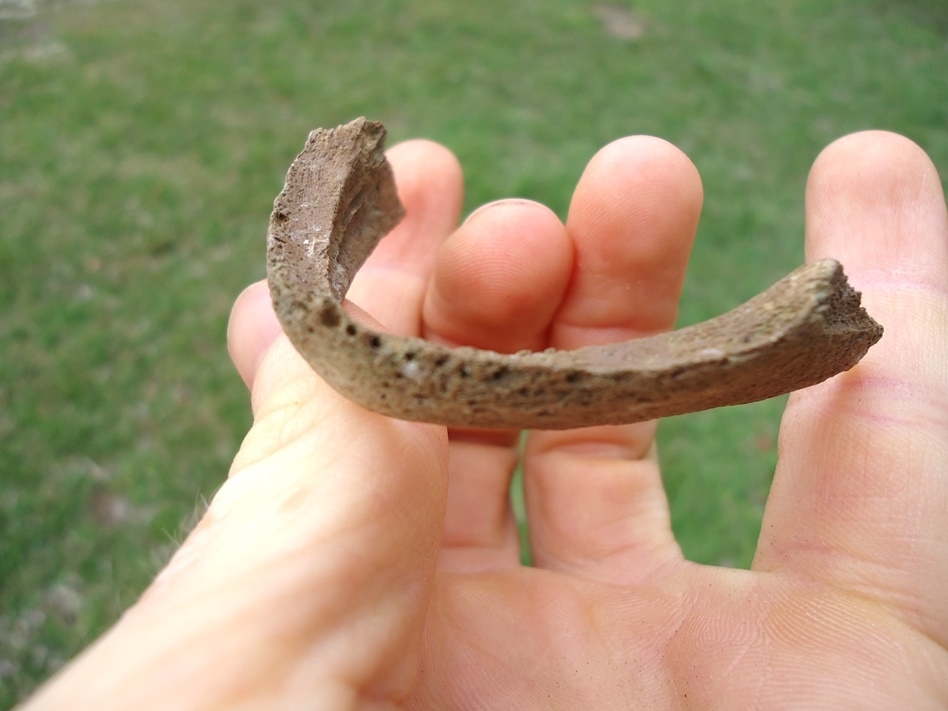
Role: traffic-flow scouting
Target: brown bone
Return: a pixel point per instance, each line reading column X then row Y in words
column 339, row 201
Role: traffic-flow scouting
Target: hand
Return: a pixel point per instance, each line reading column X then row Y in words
column 354, row 561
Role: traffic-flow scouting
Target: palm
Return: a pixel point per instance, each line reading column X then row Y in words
column 697, row 638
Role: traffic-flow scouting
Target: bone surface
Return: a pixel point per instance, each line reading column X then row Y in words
column 340, row 200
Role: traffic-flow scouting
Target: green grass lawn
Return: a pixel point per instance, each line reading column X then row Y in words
column 141, row 147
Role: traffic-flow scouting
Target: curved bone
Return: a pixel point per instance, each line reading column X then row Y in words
column 340, row 199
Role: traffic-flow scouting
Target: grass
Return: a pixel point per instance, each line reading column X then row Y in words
column 142, row 145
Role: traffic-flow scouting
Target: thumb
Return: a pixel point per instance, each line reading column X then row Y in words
column 307, row 578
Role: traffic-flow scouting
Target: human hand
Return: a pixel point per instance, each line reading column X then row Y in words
column 355, row 561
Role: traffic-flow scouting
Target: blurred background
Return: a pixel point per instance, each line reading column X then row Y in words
column 142, row 144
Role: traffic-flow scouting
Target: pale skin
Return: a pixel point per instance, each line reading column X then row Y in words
column 352, row 561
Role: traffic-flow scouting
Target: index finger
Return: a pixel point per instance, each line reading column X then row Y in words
column 861, row 491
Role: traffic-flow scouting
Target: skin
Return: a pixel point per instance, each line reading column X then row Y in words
column 352, row 561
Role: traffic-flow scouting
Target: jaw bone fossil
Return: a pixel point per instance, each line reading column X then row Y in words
column 340, row 200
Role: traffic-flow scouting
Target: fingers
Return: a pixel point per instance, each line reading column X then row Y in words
column 391, row 285
column 595, row 499
column 499, row 279
column 253, row 326
column 861, row 490
column 633, row 219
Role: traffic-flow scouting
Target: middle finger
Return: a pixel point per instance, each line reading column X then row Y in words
column 497, row 282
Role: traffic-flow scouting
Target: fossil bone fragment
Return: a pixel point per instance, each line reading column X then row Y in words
column 340, row 200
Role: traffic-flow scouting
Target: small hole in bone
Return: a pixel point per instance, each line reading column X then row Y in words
column 328, row 317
